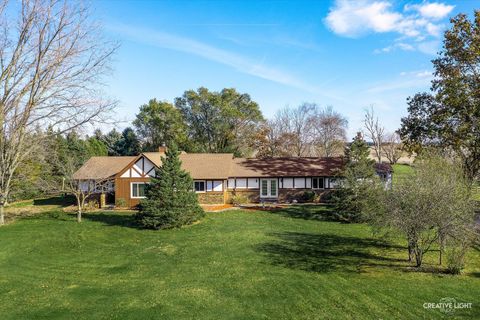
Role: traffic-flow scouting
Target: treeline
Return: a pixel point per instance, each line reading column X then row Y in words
column 199, row 121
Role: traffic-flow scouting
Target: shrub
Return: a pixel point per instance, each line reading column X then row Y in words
column 170, row 199
column 455, row 254
column 91, row 205
column 239, row 199
column 308, row 196
column 121, row 203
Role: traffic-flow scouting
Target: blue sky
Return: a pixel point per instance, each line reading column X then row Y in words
column 349, row 55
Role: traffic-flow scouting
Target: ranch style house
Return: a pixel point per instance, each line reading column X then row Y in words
column 217, row 176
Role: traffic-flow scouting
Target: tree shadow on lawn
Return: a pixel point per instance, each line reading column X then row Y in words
column 320, row 212
column 325, row 253
column 62, row 201
column 113, row 219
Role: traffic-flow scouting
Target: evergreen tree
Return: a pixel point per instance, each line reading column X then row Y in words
column 170, row 199
column 358, row 164
column 358, row 179
column 112, row 140
column 129, row 144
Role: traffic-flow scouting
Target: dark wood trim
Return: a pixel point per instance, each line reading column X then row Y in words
column 118, row 175
column 153, row 169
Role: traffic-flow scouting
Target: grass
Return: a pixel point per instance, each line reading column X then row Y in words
column 289, row 264
column 402, row 170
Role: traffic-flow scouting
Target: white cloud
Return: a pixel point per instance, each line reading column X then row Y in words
column 418, row 73
column 399, row 45
column 432, row 10
column 352, row 19
column 415, row 23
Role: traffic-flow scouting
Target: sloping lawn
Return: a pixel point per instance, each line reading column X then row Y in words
column 231, row 265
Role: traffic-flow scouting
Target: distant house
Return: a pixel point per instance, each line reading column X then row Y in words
column 219, row 176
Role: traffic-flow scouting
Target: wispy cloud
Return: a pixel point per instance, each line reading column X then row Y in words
column 415, row 23
column 398, row 45
column 418, row 79
column 238, row 62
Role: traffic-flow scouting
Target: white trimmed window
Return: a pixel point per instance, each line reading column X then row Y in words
column 318, row 183
column 241, row 183
column 287, row 183
column 218, row 185
column 137, row 190
column 199, row 186
column 299, row 183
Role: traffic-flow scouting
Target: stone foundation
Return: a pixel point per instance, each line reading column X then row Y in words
column 253, row 195
column 290, row 195
column 284, row 195
column 210, row 198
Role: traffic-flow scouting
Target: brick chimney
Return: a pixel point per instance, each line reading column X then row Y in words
column 162, row 148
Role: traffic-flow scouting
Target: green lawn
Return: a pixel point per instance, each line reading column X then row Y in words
column 233, row 265
column 401, row 170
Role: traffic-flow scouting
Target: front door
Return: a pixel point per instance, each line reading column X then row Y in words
column 268, row 188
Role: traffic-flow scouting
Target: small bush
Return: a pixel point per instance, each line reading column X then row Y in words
column 121, row 203
column 91, row 205
column 456, row 258
column 239, row 199
column 308, row 196
column 328, row 196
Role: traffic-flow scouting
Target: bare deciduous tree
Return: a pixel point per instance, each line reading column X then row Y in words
column 329, row 132
column 432, row 205
column 52, row 60
column 306, row 130
column 81, row 189
column 375, row 132
column 294, row 125
column 392, row 147
column 269, row 141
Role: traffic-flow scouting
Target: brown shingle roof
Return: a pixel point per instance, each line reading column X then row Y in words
column 286, row 167
column 200, row 165
column 219, row 166
column 99, row 168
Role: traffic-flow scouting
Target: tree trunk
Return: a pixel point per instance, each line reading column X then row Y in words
column 2, row 215
column 79, row 209
column 442, row 248
column 411, row 245
column 418, row 257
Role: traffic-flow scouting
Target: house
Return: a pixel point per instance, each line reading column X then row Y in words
column 218, row 176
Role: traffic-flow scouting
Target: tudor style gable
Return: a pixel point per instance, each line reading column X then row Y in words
column 142, row 167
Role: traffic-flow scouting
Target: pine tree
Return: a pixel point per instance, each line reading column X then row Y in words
column 358, row 179
column 358, row 164
column 170, row 200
